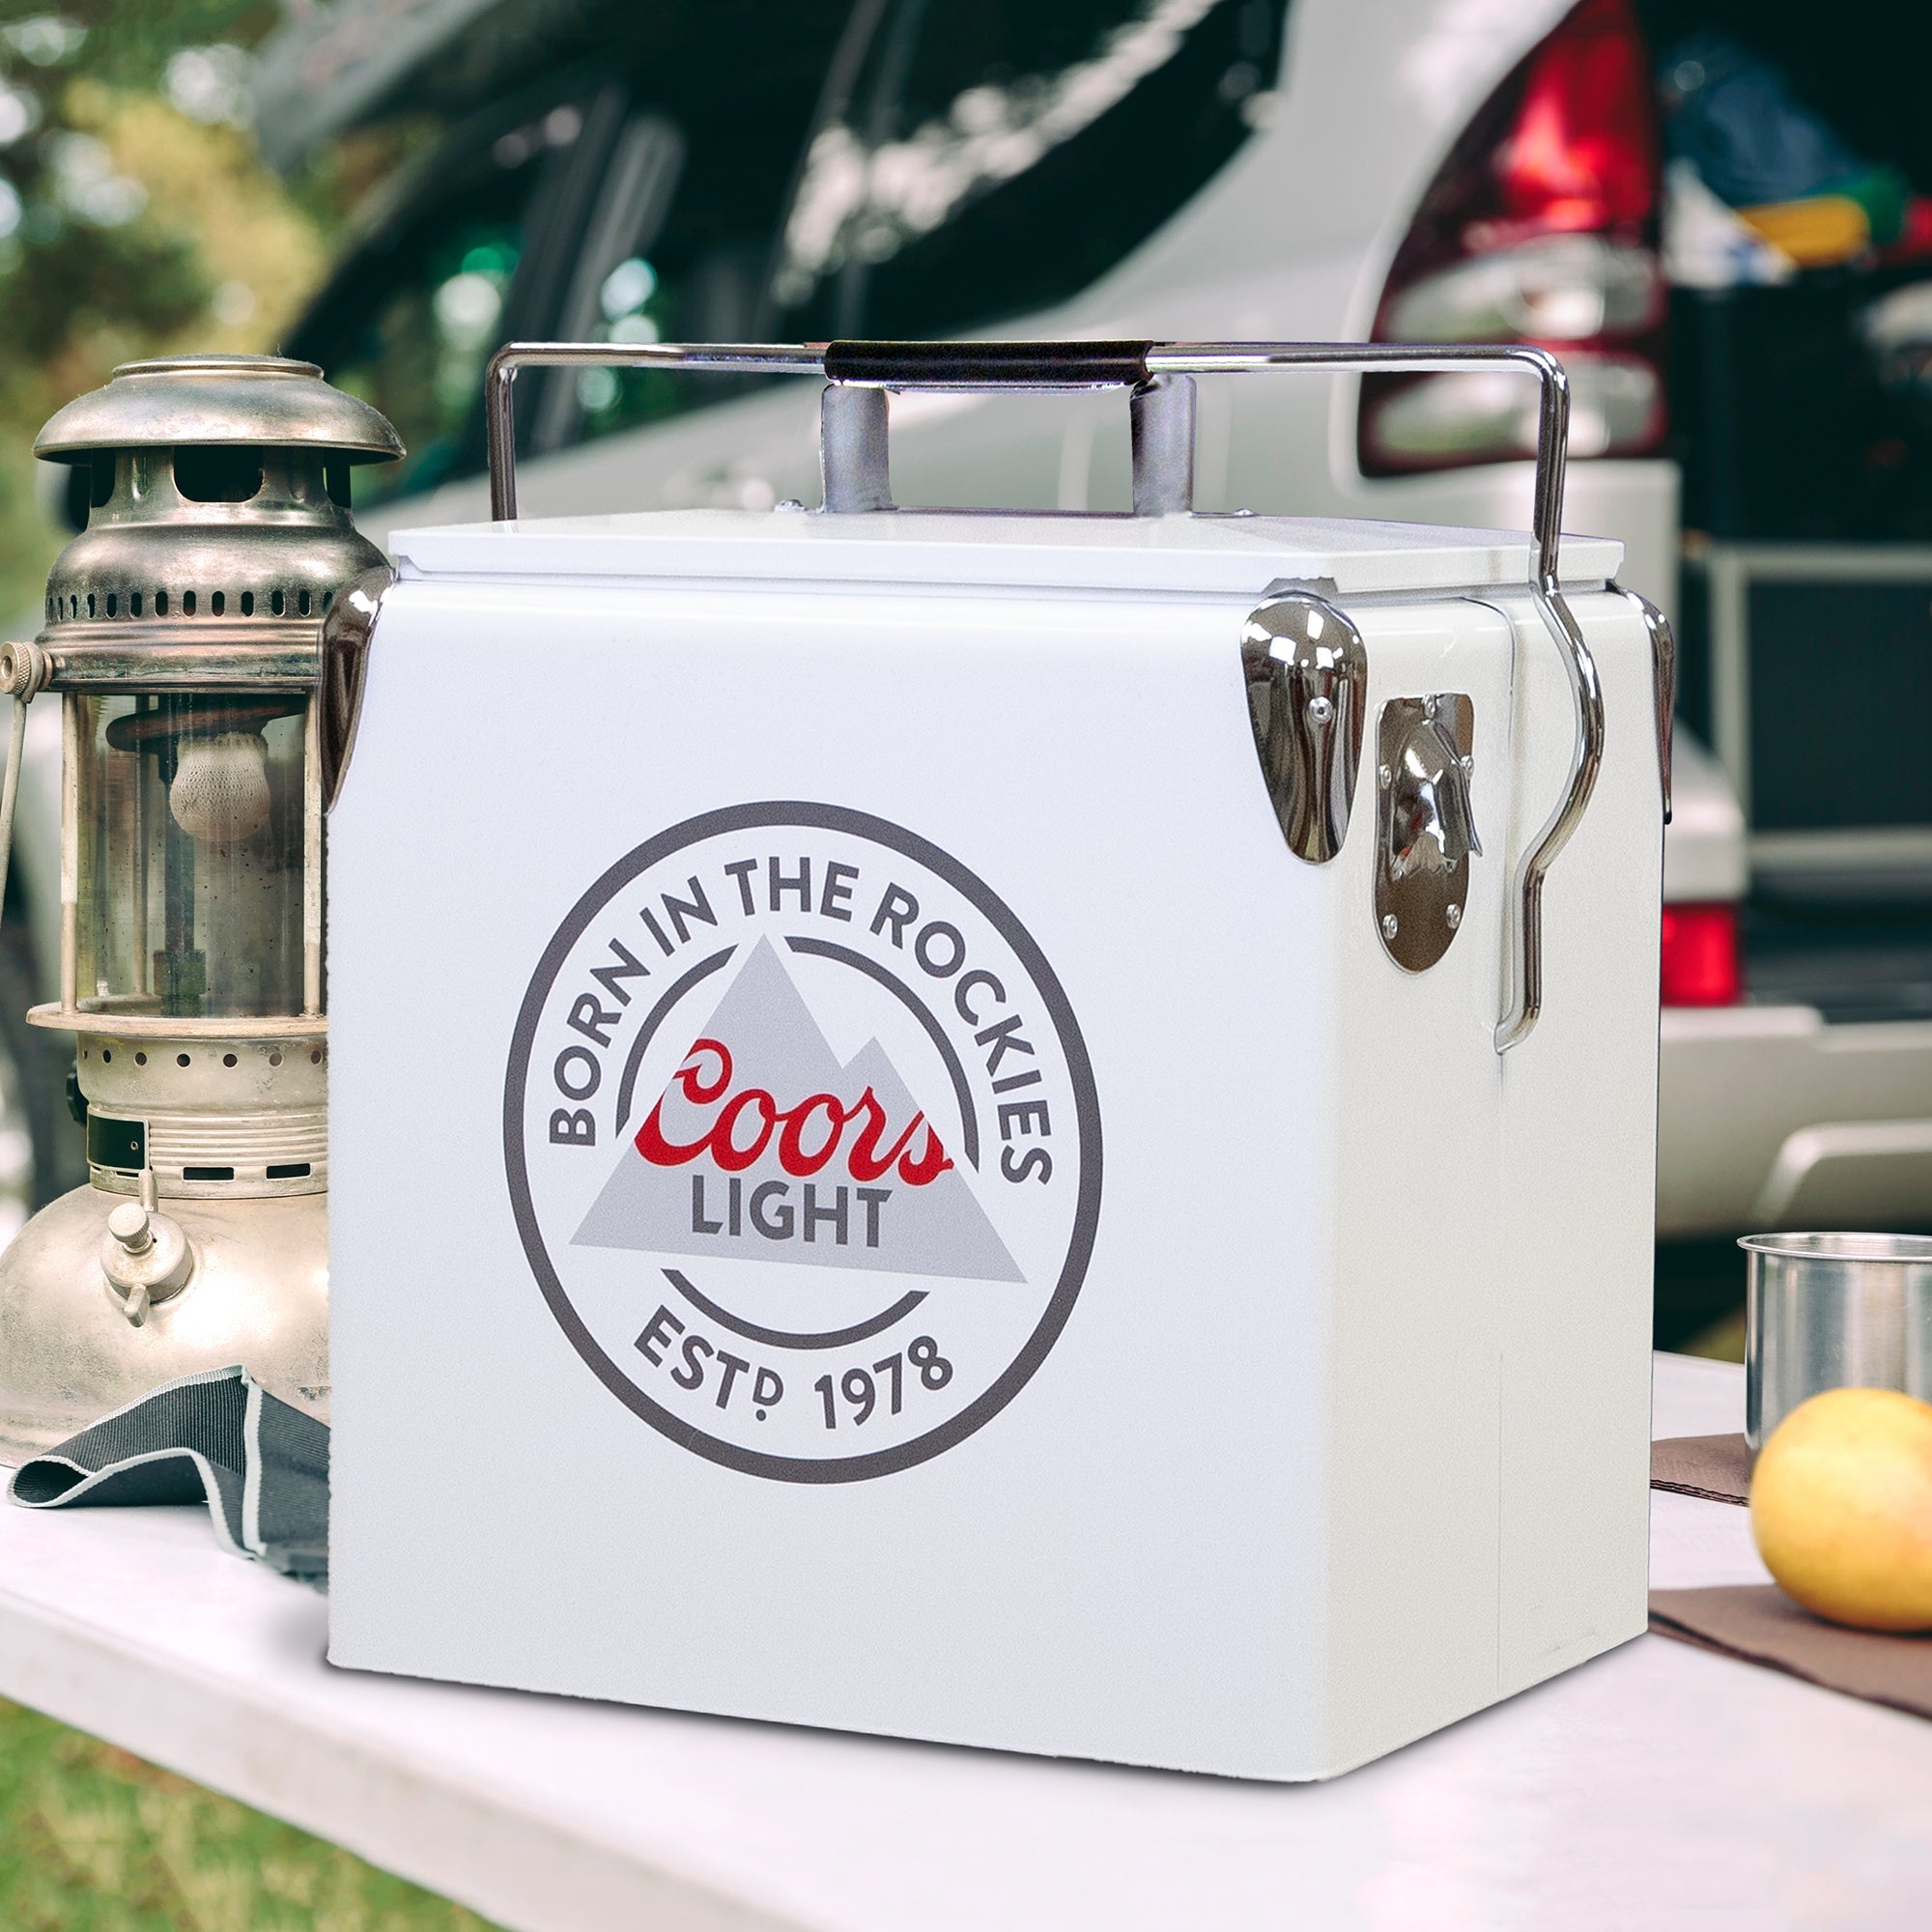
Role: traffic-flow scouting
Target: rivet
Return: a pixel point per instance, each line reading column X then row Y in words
column 1468, row 762
column 1453, row 914
column 1384, row 777
column 1390, row 926
column 1321, row 710
column 1429, row 707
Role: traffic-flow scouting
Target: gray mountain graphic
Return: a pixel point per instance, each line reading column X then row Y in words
column 775, row 1044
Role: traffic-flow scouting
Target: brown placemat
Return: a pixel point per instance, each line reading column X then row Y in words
column 1716, row 1468
column 1760, row 1624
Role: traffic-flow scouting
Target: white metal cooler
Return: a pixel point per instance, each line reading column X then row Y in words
column 963, row 1124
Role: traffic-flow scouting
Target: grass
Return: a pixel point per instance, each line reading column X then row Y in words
column 93, row 1840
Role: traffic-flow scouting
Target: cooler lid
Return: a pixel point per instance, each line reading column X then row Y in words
column 1199, row 553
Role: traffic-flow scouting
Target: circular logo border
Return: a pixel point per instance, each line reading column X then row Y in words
column 1086, row 1115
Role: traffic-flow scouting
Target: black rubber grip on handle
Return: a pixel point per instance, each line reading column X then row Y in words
column 1039, row 365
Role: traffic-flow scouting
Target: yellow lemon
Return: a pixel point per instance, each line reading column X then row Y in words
column 1841, row 1507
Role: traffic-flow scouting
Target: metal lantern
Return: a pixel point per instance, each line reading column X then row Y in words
column 185, row 636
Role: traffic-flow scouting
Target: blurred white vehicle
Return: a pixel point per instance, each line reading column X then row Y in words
column 1418, row 169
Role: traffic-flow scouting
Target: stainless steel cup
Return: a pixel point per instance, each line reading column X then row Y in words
column 1834, row 1311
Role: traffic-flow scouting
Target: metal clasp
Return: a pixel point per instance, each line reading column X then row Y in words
column 347, row 633
column 1307, row 673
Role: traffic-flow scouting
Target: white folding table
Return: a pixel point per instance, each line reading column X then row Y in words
column 1658, row 1786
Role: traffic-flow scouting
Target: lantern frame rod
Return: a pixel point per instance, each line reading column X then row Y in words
column 16, row 752
column 143, row 962
column 69, row 967
column 312, row 834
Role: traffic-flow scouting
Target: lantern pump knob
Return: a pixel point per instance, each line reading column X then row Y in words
column 145, row 1256
column 128, row 1225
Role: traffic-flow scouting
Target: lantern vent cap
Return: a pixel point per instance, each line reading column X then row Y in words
column 254, row 401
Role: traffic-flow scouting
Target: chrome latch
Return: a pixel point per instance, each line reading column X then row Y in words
column 1426, row 830
column 1307, row 675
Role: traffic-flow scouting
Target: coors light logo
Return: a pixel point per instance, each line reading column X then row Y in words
column 803, row 1141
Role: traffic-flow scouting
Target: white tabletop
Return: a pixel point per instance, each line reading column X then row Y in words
column 1658, row 1786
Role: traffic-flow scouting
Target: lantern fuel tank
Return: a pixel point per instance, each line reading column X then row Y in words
column 183, row 642
column 1043, row 1124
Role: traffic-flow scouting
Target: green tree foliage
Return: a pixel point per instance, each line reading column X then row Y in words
column 134, row 218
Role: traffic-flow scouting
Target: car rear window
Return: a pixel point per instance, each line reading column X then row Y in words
column 984, row 160
column 719, row 170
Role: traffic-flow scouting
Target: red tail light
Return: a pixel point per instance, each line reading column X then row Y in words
column 1700, row 956
column 1539, row 227
column 1582, row 152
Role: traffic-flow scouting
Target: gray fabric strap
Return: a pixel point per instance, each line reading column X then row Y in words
column 261, row 1467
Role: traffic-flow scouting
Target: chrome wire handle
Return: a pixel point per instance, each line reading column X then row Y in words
column 1158, row 376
